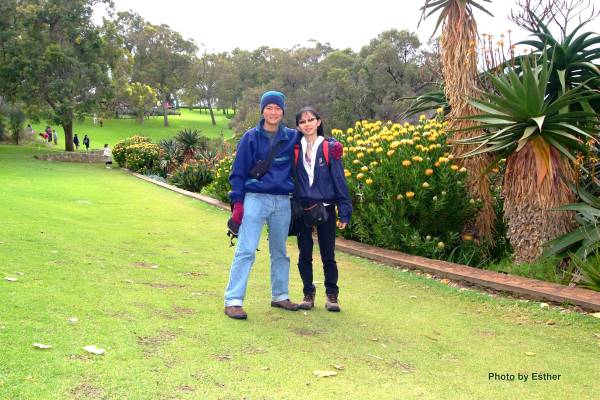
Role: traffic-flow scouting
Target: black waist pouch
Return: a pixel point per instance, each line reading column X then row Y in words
column 315, row 214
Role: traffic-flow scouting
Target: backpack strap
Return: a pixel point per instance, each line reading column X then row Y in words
column 296, row 152
column 326, row 151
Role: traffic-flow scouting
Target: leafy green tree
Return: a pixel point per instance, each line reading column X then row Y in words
column 161, row 56
column 140, row 98
column 54, row 60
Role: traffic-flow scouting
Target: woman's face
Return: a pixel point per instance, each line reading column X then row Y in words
column 308, row 124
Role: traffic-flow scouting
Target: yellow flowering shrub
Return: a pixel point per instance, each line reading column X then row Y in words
column 407, row 192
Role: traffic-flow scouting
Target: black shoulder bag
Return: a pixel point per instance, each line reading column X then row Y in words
column 262, row 166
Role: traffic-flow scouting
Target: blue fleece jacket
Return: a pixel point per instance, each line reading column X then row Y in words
column 255, row 145
column 329, row 183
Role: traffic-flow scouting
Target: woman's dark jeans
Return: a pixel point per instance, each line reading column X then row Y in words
column 326, row 236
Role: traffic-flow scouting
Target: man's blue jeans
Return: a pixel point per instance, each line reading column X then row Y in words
column 259, row 208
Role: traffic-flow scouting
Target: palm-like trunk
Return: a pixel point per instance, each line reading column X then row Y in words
column 459, row 68
column 527, row 205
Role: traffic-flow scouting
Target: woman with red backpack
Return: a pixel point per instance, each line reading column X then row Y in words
column 320, row 187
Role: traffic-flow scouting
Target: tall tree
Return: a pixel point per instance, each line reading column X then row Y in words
column 459, row 69
column 202, row 83
column 161, row 56
column 54, row 60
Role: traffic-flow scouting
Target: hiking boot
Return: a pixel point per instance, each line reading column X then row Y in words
column 285, row 304
column 332, row 302
column 308, row 301
column 235, row 312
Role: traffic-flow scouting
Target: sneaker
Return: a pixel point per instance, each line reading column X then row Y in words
column 285, row 304
column 235, row 312
column 332, row 302
column 308, row 301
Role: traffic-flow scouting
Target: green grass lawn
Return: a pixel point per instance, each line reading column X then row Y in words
column 143, row 270
column 114, row 130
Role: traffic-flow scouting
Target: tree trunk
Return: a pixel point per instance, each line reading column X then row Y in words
column 165, row 114
column 212, row 114
column 68, row 128
column 527, row 205
column 459, row 68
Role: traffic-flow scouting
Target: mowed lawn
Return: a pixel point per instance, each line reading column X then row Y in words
column 143, row 271
column 114, row 130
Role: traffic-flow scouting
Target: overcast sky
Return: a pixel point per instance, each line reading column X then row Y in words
column 248, row 24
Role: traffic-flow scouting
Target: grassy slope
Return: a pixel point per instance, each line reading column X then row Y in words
column 77, row 232
column 117, row 129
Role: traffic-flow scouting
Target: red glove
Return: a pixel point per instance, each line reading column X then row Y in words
column 238, row 212
column 336, row 151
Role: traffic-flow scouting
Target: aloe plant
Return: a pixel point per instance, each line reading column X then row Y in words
column 538, row 135
column 584, row 240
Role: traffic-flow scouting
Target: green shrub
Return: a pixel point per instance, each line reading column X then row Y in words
column 141, row 157
column 220, row 187
column 192, row 177
column 408, row 192
column 119, row 150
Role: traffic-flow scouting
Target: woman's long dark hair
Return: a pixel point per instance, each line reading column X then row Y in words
column 310, row 110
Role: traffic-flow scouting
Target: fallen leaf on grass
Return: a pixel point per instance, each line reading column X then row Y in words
column 530, row 353
column 339, row 366
column 196, row 294
column 383, row 345
column 73, row 320
column 544, row 305
column 20, row 273
column 597, row 315
column 94, row 350
column 324, row 374
column 225, row 357
column 597, row 335
column 551, row 322
column 374, row 339
column 404, row 270
column 265, row 368
column 128, row 281
column 41, row 346
column 413, row 297
column 445, row 281
column 374, row 356
column 183, row 251
column 363, row 325
column 53, row 251
column 10, row 279
column 154, row 267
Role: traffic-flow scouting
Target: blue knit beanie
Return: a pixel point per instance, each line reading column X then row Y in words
column 272, row 97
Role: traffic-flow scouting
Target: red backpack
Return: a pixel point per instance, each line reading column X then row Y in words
column 325, row 152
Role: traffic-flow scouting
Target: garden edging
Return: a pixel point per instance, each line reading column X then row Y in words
column 518, row 285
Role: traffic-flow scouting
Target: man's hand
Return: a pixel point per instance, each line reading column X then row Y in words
column 342, row 225
column 238, row 212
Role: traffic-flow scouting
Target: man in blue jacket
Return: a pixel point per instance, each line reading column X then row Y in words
column 260, row 197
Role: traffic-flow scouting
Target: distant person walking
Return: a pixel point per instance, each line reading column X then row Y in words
column 49, row 134
column 86, row 142
column 55, row 136
column 107, row 155
column 101, row 121
column 76, row 142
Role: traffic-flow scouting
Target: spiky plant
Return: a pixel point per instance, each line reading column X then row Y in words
column 459, row 69
column 190, row 141
column 171, row 155
column 538, row 136
column 573, row 58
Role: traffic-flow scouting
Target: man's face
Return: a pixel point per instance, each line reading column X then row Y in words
column 273, row 114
